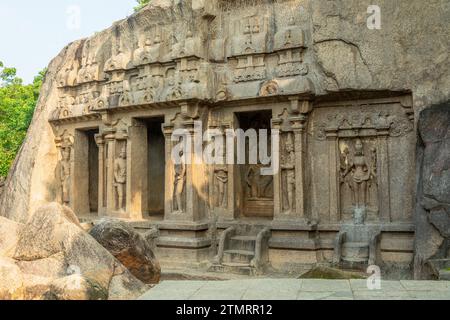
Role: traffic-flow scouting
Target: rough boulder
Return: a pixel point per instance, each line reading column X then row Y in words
column 52, row 258
column 129, row 247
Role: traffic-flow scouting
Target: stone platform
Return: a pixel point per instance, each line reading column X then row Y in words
column 291, row 289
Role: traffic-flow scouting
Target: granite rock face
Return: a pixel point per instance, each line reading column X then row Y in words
column 51, row 257
column 129, row 247
column 433, row 201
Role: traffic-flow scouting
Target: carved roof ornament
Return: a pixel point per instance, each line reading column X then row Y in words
column 119, row 59
column 68, row 76
column 89, row 69
column 291, row 36
column 150, row 50
column 186, row 45
column 251, row 35
column 397, row 125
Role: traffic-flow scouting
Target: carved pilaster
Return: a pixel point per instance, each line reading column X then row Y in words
column 299, row 127
column 101, row 174
column 221, row 182
column 168, row 207
column 383, row 173
column 332, row 140
column 186, row 198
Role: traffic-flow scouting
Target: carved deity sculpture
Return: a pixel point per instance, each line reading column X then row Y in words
column 65, row 175
column 288, row 168
column 361, row 171
column 221, row 176
column 258, row 184
column 120, row 178
column 179, row 183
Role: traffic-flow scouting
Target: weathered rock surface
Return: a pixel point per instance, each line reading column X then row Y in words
column 433, row 199
column 129, row 247
column 11, row 280
column 51, row 257
column 8, row 237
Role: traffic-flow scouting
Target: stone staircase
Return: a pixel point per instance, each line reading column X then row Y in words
column 357, row 246
column 243, row 250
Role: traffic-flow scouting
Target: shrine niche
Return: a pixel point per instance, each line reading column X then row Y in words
column 365, row 147
column 257, row 188
column 358, row 179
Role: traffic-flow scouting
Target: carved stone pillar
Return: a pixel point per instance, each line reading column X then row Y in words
column 169, row 190
column 299, row 127
column 101, row 174
column 383, row 173
column 332, row 140
column 110, row 156
column 137, row 186
column 277, row 180
column 187, row 180
column 293, row 124
column 222, row 199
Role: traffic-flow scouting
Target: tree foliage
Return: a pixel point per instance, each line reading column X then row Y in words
column 17, row 103
column 141, row 4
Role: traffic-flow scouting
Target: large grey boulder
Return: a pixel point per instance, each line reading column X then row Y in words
column 52, row 257
column 433, row 194
column 133, row 250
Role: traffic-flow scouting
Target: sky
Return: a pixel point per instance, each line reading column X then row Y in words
column 34, row 32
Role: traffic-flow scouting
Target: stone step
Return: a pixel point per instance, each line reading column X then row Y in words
column 244, row 238
column 235, row 268
column 247, row 243
column 236, row 265
column 238, row 256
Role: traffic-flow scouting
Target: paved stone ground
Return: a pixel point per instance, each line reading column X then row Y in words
column 292, row 289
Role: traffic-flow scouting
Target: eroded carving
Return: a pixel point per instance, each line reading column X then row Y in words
column 120, row 179
column 221, row 179
column 288, row 169
column 179, row 185
column 358, row 172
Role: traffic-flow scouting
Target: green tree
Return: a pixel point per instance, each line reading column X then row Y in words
column 17, row 103
column 141, row 4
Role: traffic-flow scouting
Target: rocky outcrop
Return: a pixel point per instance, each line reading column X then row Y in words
column 2, row 185
column 51, row 257
column 433, row 199
column 129, row 247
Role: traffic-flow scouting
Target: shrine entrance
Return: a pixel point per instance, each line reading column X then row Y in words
column 149, row 166
column 156, row 167
column 86, row 179
column 256, row 190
